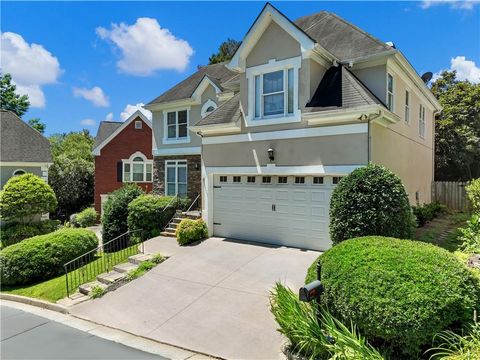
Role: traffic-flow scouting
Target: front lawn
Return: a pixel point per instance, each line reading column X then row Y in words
column 55, row 289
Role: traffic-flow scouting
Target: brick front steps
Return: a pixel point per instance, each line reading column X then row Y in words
column 106, row 280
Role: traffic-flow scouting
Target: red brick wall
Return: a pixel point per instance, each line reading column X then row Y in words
column 128, row 141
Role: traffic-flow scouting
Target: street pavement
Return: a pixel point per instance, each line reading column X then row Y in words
column 28, row 336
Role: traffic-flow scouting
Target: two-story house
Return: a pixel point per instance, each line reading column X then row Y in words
column 300, row 105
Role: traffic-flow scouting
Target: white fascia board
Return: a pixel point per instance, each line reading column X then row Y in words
column 191, row 150
column 289, row 134
column 406, row 71
column 268, row 14
column 285, row 170
column 202, row 86
column 132, row 117
column 25, row 163
column 339, row 115
column 171, row 105
column 216, row 129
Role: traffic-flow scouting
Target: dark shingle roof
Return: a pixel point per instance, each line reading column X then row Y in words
column 20, row 142
column 228, row 112
column 105, row 129
column 341, row 38
column 339, row 87
column 218, row 73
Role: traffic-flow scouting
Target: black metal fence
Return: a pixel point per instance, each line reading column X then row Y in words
column 86, row 267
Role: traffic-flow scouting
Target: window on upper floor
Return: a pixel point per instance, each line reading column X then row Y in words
column 421, row 121
column 407, row 107
column 274, row 93
column 137, row 169
column 208, row 107
column 138, row 125
column 19, row 172
column 390, row 95
column 176, row 125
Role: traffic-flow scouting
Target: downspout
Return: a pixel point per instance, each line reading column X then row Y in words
column 369, row 134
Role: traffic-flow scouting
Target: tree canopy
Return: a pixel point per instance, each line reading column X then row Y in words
column 9, row 99
column 37, row 125
column 457, row 130
column 225, row 52
column 72, row 173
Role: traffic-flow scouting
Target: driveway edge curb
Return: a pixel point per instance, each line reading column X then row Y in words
column 35, row 302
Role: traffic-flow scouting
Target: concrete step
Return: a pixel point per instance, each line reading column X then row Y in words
column 173, row 225
column 170, row 229
column 177, row 220
column 74, row 299
column 139, row 258
column 169, row 234
column 86, row 288
column 111, row 277
column 125, row 267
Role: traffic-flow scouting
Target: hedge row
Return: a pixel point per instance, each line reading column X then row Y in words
column 42, row 257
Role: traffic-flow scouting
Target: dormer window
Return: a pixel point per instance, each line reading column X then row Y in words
column 273, row 92
column 208, row 107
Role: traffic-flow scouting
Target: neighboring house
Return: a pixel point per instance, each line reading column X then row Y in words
column 300, row 105
column 123, row 154
column 22, row 149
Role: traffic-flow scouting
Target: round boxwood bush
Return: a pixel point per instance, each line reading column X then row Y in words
column 115, row 211
column 24, row 197
column 84, row 218
column 42, row 257
column 189, row 231
column 399, row 293
column 13, row 233
column 370, row 201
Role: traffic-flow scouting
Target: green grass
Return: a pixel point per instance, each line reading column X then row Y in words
column 145, row 266
column 56, row 289
column 97, row 292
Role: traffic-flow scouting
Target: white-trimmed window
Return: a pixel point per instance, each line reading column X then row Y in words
column 390, row 92
column 176, row 177
column 407, row 107
column 266, row 179
column 176, row 126
column 421, row 121
column 208, row 107
column 223, row 178
column 282, row 180
column 19, row 172
column 299, row 179
column 237, row 179
column 273, row 92
column 137, row 168
column 336, row 180
column 318, row 180
column 138, row 124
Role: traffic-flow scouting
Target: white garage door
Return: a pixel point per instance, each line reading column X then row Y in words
column 281, row 210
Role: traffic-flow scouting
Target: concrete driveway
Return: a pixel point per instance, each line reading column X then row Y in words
column 211, row 298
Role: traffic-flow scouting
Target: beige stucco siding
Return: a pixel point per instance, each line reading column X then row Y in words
column 325, row 150
column 194, row 115
column 375, row 79
column 411, row 160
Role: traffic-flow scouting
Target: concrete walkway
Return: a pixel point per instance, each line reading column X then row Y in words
column 211, row 298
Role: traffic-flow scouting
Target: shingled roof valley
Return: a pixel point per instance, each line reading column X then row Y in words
column 105, row 129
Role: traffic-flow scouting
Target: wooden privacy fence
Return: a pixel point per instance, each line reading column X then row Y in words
column 450, row 193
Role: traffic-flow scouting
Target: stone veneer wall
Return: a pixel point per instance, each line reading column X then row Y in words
column 194, row 174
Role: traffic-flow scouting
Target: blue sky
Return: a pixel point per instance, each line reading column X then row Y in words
column 83, row 69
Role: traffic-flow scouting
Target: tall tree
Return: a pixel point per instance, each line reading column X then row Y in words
column 37, row 125
column 225, row 51
column 9, row 99
column 457, row 131
column 71, row 175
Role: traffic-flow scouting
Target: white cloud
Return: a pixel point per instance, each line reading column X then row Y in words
column 146, row 47
column 30, row 65
column 95, row 95
column 109, row 117
column 130, row 109
column 454, row 4
column 88, row 122
column 466, row 69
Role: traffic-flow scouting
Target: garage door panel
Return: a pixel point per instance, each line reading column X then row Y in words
column 299, row 217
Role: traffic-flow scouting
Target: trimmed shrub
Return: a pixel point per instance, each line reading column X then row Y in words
column 189, row 231
column 42, row 257
column 24, row 197
column 115, row 211
column 146, row 213
column 473, row 194
column 399, row 293
column 370, row 201
column 13, row 233
column 427, row 212
column 471, row 235
column 85, row 218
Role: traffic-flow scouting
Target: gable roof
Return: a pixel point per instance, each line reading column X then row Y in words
column 228, row 112
column 339, row 87
column 20, row 142
column 105, row 129
column 105, row 139
column 216, row 73
column 340, row 37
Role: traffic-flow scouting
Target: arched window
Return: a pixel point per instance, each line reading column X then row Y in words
column 208, row 107
column 137, row 169
column 19, row 172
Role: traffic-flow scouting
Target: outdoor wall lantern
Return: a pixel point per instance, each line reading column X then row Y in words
column 197, row 166
column 271, row 154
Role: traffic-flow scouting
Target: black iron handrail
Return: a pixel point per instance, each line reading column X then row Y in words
column 86, row 267
column 175, row 197
column 193, row 203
